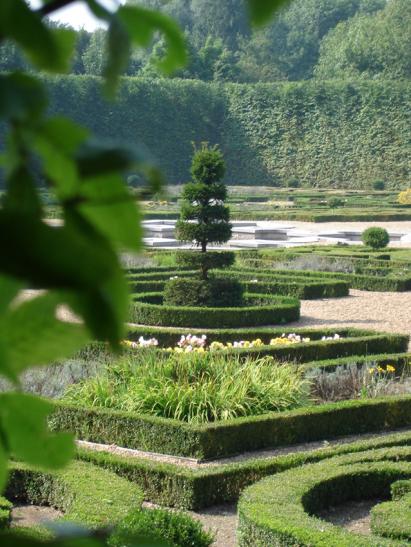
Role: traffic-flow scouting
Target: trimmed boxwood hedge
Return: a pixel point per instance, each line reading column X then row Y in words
column 356, row 281
column 195, row 488
column 393, row 518
column 147, row 309
column 85, row 493
column 284, row 509
column 224, row 438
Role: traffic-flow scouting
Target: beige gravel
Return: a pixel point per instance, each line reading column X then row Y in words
column 380, row 311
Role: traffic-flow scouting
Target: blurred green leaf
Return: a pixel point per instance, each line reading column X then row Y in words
column 56, row 143
column 3, row 468
column 142, row 24
column 49, row 257
column 119, row 48
column 110, row 207
column 11, row 539
column 34, row 336
column 261, row 11
column 50, row 50
column 22, row 97
column 21, row 193
column 9, row 288
column 98, row 157
column 23, row 420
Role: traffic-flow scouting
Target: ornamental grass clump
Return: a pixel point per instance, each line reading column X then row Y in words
column 194, row 388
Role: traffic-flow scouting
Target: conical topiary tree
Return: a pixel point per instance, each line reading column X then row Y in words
column 204, row 219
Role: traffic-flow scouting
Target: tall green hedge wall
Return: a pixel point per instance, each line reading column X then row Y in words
column 324, row 133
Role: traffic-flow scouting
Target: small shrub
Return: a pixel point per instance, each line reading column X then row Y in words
column 177, row 529
column 335, row 202
column 293, row 183
column 212, row 292
column 378, row 185
column 376, row 238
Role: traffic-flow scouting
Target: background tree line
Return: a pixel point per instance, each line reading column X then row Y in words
column 323, row 39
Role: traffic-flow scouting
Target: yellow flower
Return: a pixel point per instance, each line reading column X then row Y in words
column 371, row 370
column 390, row 368
column 380, row 369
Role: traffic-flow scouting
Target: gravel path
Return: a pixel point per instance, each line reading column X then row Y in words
column 381, row 311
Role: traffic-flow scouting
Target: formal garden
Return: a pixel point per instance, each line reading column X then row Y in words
column 199, row 395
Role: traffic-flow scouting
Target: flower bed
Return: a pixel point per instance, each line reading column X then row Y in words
column 147, row 309
column 192, row 343
column 350, row 342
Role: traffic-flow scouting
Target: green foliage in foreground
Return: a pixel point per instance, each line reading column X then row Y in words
column 194, row 388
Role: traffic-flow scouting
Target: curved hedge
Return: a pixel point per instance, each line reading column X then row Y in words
column 393, row 518
column 85, row 493
column 147, row 309
column 284, row 509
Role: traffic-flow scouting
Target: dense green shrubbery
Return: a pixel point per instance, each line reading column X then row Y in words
column 378, row 185
column 291, row 516
column 212, row 292
column 255, row 125
column 177, row 529
column 193, row 387
column 376, row 238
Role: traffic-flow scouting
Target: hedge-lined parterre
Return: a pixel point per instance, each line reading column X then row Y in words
column 227, row 437
column 254, row 281
column 194, row 488
column 392, row 282
column 285, row 509
column 148, row 309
